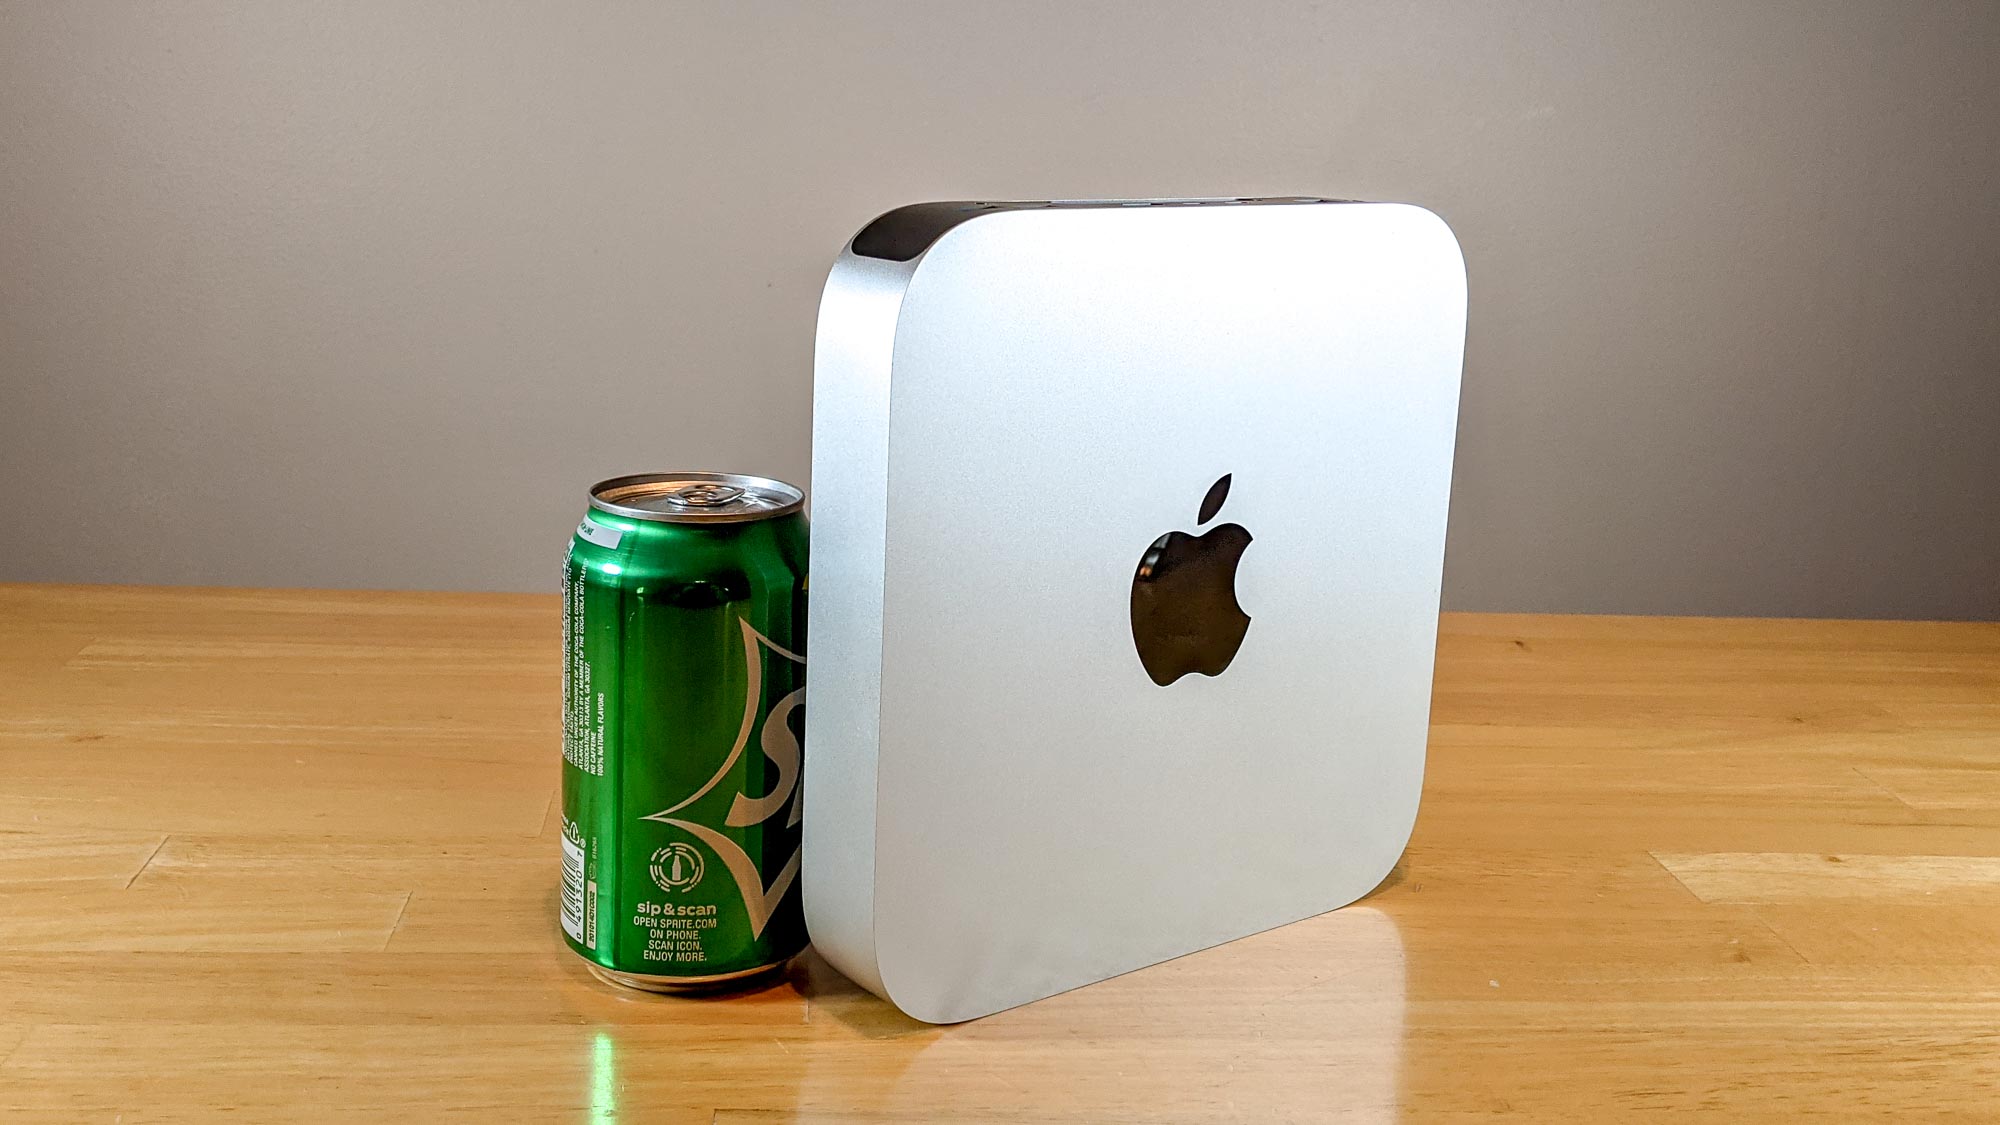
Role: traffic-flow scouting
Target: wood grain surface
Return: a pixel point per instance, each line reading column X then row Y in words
column 284, row 855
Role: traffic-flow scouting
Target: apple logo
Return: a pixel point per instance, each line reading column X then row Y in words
column 1184, row 612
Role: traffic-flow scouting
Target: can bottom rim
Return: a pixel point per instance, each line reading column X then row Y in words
column 646, row 982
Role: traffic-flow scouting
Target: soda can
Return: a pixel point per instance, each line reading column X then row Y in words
column 684, row 619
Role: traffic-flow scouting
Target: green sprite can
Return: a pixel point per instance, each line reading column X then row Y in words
column 684, row 623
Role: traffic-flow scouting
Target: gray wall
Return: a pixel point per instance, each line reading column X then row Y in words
column 365, row 294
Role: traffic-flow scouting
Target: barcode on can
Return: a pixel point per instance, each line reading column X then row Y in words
column 572, row 889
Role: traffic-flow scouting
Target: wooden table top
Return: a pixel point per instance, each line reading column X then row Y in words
column 291, row 854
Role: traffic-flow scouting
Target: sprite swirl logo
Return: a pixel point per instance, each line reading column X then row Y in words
column 778, row 744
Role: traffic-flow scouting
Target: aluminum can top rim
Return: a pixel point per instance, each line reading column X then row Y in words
column 696, row 497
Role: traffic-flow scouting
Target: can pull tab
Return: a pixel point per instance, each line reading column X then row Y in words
column 702, row 495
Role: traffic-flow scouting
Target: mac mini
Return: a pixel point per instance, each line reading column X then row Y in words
column 1128, row 525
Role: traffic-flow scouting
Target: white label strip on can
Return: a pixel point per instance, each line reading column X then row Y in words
column 572, row 889
column 606, row 537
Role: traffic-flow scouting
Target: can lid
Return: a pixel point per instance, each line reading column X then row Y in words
column 695, row 497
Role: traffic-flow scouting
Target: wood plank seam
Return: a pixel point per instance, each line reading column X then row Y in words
column 150, row 856
column 1892, row 794
column 401, row 911
column 1773, row 931
column 1678, row 881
